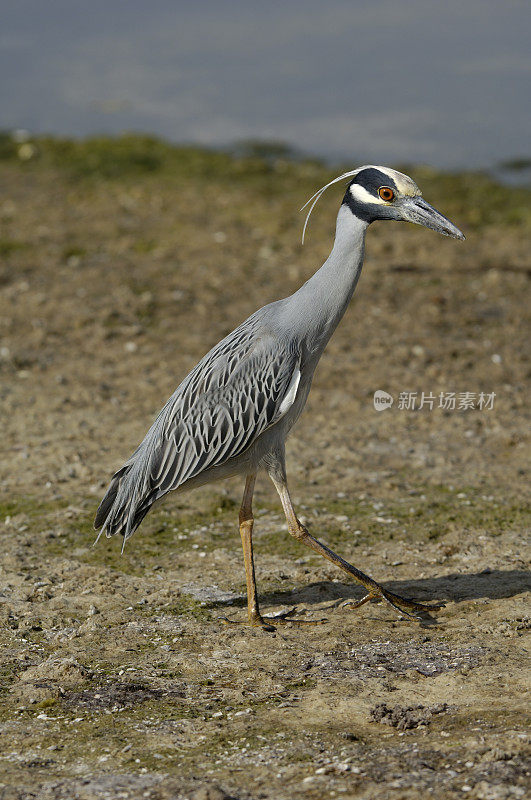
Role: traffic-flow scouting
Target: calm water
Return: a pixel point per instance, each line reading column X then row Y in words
column 382, row 80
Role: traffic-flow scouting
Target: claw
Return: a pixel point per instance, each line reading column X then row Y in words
column 396, row 601
column 268, row 621
column 257, row 622
column 281, row 614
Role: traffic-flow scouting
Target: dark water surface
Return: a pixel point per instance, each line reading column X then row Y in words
column 386, row 81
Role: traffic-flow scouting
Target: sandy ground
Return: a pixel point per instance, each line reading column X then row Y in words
column 119, row 677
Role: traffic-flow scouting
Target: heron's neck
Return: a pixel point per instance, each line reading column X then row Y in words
column 326, row 295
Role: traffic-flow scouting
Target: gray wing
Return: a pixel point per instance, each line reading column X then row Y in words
column 238, row 390
column 230, row 402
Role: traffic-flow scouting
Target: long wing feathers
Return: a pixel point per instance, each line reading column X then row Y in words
column 239, row 389
column 235, row 407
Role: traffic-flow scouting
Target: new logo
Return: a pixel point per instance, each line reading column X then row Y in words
column 382, row 400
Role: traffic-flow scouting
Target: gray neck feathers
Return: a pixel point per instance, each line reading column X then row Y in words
column 320, row 303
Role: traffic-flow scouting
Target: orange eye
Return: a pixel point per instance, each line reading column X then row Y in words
column 386, row 193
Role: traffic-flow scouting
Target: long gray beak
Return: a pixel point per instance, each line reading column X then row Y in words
column 416, row 209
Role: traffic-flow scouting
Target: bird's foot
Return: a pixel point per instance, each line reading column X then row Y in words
column 283, row 617
column 257, row 621
column 269, row 621
column 399, row 603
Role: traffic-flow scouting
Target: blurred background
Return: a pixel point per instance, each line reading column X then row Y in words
column 385, row 81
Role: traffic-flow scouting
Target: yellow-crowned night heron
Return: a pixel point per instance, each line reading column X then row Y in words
column 232, row 413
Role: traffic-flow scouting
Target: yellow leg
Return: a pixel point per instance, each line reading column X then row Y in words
column 246, row 533
column 375, row 592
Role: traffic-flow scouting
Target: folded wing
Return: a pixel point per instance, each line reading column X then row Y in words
column 243, row 386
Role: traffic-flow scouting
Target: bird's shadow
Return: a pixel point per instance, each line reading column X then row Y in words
column 455, row 587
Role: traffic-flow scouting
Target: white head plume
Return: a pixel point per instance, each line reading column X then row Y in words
column 315, row 198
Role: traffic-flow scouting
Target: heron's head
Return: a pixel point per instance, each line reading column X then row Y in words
column 382, row 193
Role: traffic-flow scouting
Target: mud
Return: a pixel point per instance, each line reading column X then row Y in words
column 408, row 717
column 119, row 677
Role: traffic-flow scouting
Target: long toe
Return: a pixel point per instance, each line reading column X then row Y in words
column 285, row 617
column 404, row 605
column 406, row 602
column 268, row 621
column 255, row 622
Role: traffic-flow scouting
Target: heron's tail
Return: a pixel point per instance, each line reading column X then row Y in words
column 125, row 503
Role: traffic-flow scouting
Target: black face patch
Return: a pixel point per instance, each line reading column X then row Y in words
column 371, row 180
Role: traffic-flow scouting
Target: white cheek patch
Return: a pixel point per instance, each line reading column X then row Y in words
column 361, row 195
